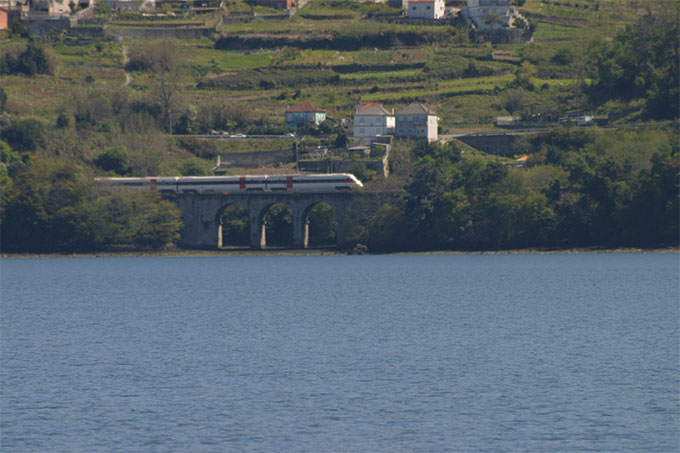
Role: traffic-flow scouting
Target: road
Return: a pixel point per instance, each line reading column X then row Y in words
column 232, row 137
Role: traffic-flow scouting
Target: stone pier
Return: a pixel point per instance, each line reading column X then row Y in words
column 202, row 212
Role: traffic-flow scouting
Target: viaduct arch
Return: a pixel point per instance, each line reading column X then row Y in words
column 201, row 213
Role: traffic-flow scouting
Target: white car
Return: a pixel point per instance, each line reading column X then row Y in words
column 238, row 136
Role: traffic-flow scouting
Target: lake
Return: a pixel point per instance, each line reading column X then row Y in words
column 412, row 353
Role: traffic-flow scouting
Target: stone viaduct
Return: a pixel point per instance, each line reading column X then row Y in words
column 202, row 214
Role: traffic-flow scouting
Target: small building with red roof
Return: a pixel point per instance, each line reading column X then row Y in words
column 305, row 112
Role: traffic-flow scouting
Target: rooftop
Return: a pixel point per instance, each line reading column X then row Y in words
column 416, row 109
column 304, row 107
column 372, row 109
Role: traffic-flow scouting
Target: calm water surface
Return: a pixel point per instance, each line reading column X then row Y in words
column 371, row 353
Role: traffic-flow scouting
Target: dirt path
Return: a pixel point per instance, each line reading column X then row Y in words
column 128, row 77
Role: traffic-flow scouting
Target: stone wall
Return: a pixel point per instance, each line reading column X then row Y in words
column 45, row 25
column 498, row 144
column 339, row 166
column 201, row 215
column 159, row 33
column 503, row 36
column 255, row 159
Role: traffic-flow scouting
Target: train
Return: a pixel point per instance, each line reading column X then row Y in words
column 234, row 184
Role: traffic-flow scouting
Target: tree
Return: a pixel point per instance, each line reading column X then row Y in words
column 322, row 224
column 32, row 60
column 50, row 207
column 24, row 135
column 124, row 216
column 45, row 209
column 163, row 59
column 386, row 231
column 642, row 62
column 166, row 66
column 341, row 140
column 115, row 160
column 3, row 99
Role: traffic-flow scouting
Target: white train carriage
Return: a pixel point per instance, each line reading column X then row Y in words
column 233, row 184
column 160, row 183
column 220, row 183
column 338, row 181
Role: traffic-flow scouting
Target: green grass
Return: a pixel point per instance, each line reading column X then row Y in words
column 447, row 88
column 560, row 83
column 554, row 31
column 380, row 75
column 217, row 61
column 457, row 101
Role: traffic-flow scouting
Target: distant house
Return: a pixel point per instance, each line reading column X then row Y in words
column 372, row 120
column 488, row 14
column 507, row 121
column 131, row 5
column 51, row 7
column 425, row 9
column 579, row 119
column 276, row 4
column 417, row 121
column 4, row 18
column 305, row 113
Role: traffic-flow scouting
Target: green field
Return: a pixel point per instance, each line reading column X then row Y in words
column 442, row 74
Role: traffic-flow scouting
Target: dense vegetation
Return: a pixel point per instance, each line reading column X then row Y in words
column 71, row 109
column 49, row 206
column 580, row 188
column 641, row 62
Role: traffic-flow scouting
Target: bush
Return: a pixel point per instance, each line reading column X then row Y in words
column 51, row 207
column 25, row 135
column 114, row 160
column 33, row 60
column 3, row 99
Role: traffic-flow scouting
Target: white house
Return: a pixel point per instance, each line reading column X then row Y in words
column 417, row 121
column 486, row 14
column 305, row 112
column 372, row 120
column 131, row 5
column 425, row 9
column 51, row 7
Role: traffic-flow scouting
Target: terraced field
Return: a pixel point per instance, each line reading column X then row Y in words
column 292, row 63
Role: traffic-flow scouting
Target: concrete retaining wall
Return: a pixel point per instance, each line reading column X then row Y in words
column 43, row 26
column 504, row 36
column 259, row 159
column 500, row 145
column 159, row 33
column 339, row 166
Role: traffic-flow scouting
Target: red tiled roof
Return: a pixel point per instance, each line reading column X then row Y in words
column 305, row 107
column 372, row 109
column 362, row 106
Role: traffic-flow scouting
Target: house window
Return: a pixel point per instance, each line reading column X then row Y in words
column 361, row 120
column 414, row 8
column 361, row 131
column 427, row 7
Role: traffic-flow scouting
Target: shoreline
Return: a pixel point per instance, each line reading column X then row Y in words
column 182, row 253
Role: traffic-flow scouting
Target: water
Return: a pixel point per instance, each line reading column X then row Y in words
column 372, row 353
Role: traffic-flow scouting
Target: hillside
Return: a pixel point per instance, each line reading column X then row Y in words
column 96, row 105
